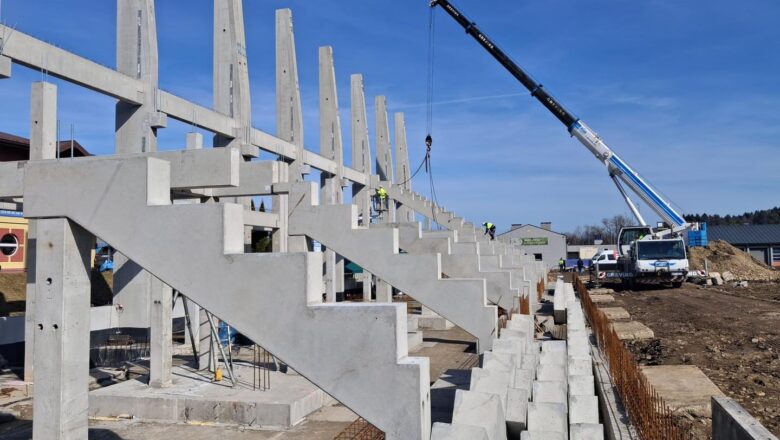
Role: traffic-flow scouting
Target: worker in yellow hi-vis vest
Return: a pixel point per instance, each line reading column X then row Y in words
column 490, row 228
column 381, row 199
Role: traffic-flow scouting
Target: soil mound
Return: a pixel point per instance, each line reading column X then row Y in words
column 723, row 257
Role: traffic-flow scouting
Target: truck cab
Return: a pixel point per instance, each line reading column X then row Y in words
column 659, row 261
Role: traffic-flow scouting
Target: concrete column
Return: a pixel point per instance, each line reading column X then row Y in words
column 194, row 141
column 361, row 161
column 43, row 145
column 160, row 344
column 402, row 173
column 331, row 147
column 136, row 132
column 289, row 125
column 194, row 310
column 136, row 56
column 231, row 86
column 361, row 149
column 61, row 355
column 205, row 343
column 384, row 159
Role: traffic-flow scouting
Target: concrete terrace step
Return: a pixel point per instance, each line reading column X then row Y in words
column 126, row 202
column 461, row 301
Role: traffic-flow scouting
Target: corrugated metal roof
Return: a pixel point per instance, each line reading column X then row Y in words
column 745, row 234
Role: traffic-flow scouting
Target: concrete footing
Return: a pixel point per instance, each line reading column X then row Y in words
column 192, row 397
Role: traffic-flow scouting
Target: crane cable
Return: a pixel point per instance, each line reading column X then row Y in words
column 429, row 109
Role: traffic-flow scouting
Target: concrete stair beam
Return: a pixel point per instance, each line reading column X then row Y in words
column 461, row 301
column 127, row 203
column 500, row 284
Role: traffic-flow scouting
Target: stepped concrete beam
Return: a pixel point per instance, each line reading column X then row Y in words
column 205, row 260
column 461, row 301
column 331, row 147
column 498, row 283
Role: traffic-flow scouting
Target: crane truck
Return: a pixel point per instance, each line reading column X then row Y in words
column 647, row 254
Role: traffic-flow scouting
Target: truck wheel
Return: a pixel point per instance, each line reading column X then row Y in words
column 677, row 284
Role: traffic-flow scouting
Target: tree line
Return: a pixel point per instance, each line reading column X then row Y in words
column 759, row 217
column 609, row 228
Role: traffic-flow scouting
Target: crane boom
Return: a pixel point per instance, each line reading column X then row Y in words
column 575, row 126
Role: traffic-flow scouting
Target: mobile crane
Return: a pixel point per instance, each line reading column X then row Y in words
column 647, row 254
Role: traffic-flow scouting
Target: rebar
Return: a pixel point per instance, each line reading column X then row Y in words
column 360, row 429
column 651, row 417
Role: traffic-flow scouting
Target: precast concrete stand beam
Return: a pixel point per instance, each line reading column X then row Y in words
column 461, row 301
column 126, row 201
column 61, row 374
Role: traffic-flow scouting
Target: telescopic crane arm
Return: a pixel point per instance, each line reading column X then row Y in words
column 576, row 127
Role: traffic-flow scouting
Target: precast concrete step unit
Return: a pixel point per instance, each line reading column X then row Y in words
column 501, row 290
column 355, row 352
column 461, row 301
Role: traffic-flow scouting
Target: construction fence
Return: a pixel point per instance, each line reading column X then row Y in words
column 649, row 414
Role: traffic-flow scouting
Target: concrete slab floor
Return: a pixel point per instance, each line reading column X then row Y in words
column 683, row 387
column 632, row 330
column 137, row 430
column 602, row 299
column 616, row 313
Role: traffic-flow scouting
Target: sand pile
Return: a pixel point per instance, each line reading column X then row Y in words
column 723, row 257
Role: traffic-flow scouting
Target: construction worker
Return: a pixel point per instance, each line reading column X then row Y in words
column 561, row 264
column 580, row 265
column 381, row 196
column 490, row 228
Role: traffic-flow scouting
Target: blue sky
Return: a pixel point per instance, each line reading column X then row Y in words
column 686, row 92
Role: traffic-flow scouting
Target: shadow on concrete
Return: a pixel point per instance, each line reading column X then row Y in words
column 443, row 394
column 25, row 433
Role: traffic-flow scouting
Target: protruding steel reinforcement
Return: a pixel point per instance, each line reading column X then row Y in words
column 648, row 412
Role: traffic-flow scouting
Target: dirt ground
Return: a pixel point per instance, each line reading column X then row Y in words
column 732, row 334
column 13, row 291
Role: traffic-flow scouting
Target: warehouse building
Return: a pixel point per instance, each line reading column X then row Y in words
column 542, row 242
column 760, row 241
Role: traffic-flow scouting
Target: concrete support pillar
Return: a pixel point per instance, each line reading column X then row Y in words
column 43, row 145
column 231, row 86
column 160, row 344
column 61, row 355
column 136, row 132
column 289, row 125
column 194, row 141
column 361, row 161
column 361, row 149
column 136, row 56
column 402, row 173
column 331, row 147
column 205, row 353
column 384, row 159
column 194, row 310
